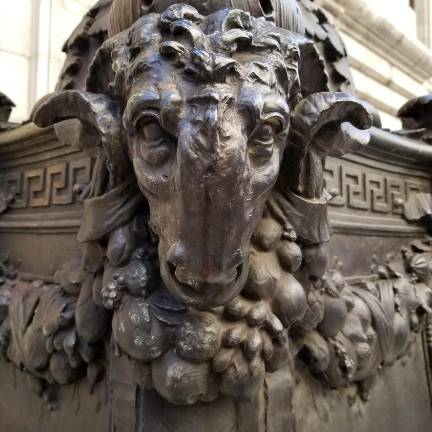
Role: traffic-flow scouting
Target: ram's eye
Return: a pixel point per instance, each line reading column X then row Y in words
column 152, row 130
column 261, row 142
column 264, row 133
column 157, row 145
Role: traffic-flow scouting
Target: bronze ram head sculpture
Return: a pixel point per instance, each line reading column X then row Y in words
column 203, row 111
column 211, row 134
column 205, row 221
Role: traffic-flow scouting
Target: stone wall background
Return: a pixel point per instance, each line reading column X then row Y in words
column 32, row 33
column 388, row 42
column 389, row 47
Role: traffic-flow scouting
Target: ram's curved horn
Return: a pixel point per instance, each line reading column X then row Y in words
column 324, row 110
column 99, row 116
column 323, row 124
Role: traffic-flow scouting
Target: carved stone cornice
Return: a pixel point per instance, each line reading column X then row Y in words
column 28, row 134
column 360, row 21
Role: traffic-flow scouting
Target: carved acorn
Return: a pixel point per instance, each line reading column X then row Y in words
column 137, row 332
column 253, row 344
column 139, row 276
column 267, row 346
column 273, row 325
column 223, row 359
column 267, row 233
column 243, row 379
column 70, row 347
column 362, row 312
column 262, row 278
column 335, row 314
column 314, row 312
column 60, row 338
column 180, row 381
column 60, row 368
column 402, row 335
column 258, row 314
column 70, row 276
column 237, row 309
column 289, row 302
column 198, row 338
column 290, row 255
column 233, row 336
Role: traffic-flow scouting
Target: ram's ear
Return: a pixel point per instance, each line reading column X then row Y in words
column 99, row 120
column 323, row 124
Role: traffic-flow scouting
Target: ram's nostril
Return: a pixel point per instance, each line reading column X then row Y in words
column 181, row 276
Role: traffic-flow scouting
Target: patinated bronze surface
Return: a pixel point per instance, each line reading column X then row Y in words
column 200, row 165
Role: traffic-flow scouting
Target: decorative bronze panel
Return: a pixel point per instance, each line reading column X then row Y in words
column 45, row 187
column 195, row 168
column 370, row 194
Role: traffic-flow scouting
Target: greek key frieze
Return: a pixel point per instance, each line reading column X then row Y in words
column 369, row 190
column 48, row 186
